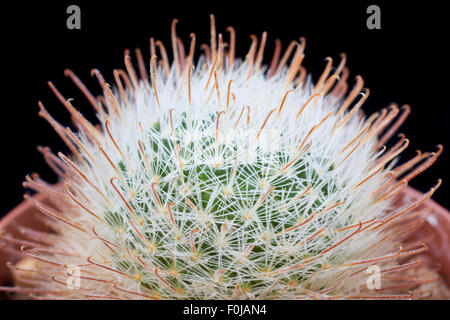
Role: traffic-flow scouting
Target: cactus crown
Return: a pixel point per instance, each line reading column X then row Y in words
column 228, row 180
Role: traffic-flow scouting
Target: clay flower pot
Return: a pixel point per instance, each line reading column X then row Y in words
column 25, row 214
column 436, row 230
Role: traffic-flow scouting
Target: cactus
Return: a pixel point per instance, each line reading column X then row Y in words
column 230, row 179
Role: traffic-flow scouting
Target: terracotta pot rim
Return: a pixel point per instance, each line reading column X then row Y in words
column 430, row 203
column 19, row 210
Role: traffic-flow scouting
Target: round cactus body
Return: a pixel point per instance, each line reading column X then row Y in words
column 226, row 178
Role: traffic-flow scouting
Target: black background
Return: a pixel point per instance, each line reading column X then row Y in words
column 173, row 309
column 404, row 62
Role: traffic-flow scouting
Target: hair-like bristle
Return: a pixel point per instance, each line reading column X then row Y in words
column 226, row 179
